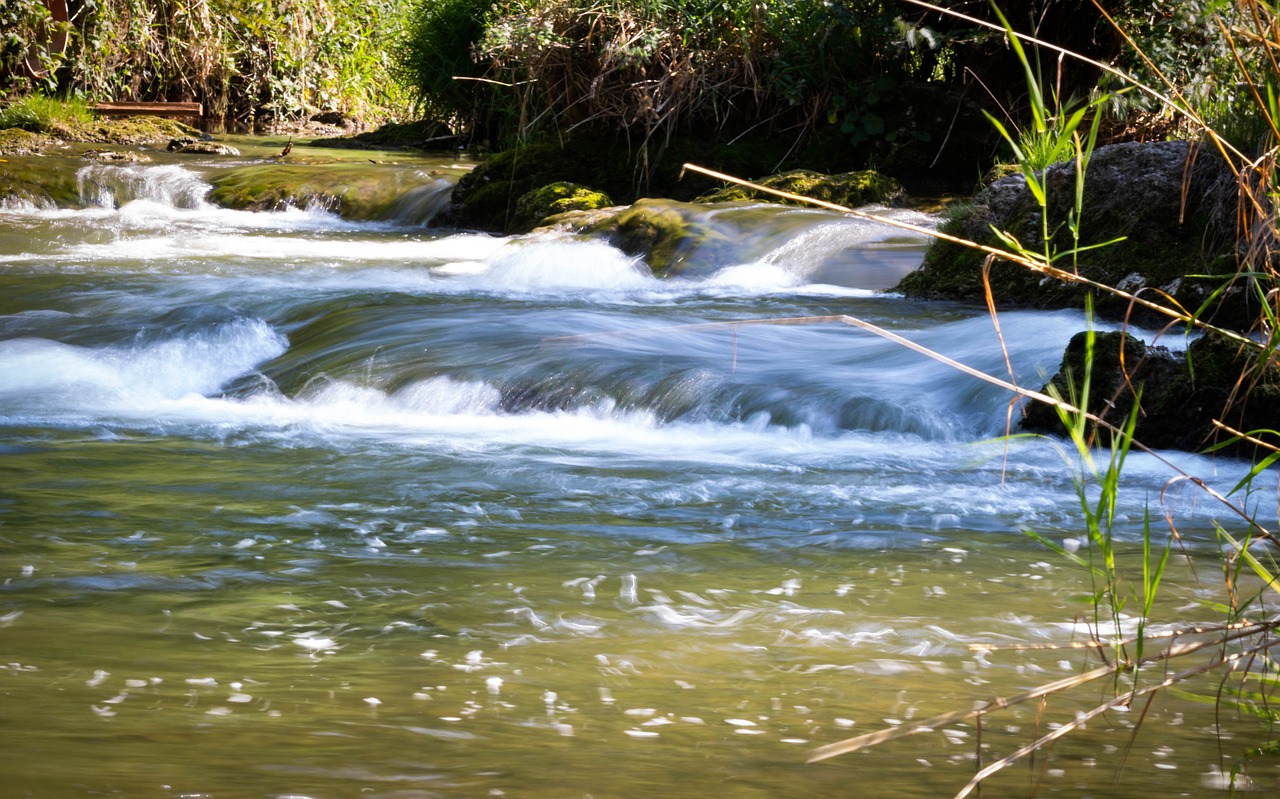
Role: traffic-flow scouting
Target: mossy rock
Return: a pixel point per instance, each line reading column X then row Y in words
column 141, row 129
column 670, row 236
column 1179, row 403
column 850, row 189
column 556, row 198
column 486, row 198
column 1133, row 192
column 355, row 191
column 15, row 141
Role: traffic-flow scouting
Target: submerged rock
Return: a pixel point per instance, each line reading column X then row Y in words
column 116, row 156
column 194, row 147
column 355, row 191
column 1180, row 393
column 665, row 233
column 1173, row 205
column 850, row 189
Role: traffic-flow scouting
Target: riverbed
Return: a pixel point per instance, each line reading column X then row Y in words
column 295, row 506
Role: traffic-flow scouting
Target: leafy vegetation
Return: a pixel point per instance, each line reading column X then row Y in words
column 247, row 61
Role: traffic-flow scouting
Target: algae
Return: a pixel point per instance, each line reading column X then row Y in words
column 666, row 234
column 15, row 141
column 536, row 206
column 355, row 191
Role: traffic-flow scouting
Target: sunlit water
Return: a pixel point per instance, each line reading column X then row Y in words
column 298, row 507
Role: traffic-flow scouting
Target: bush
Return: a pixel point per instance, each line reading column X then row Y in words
column 244, row 60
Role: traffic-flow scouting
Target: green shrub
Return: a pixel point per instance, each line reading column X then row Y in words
column 244, row 59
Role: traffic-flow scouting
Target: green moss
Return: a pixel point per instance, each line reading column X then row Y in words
column 850, row 189
column 130, row 130
column 356, row 191
column 556, row 198
column 15, row 141
column 666, row 233
column 486, row 199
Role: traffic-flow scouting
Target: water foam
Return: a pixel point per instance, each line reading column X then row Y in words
column 134, row 380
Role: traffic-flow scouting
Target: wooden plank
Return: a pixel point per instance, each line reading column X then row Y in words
column 154, row 109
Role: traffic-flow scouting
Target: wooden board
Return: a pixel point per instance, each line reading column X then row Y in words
column 154, row 109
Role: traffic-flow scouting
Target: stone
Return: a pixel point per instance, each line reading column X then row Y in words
column 1173, row 205
column 536, row 206
column 1178, row 394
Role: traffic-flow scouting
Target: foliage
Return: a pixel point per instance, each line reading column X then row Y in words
column 24, row 25
column 655, row 68
column 244, row 59
column 434, row 55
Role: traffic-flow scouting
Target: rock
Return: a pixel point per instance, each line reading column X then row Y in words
column 1178, row 402
column 192, row 147
column 335, row 118
column 391, row 136
column 132, row 130
column 15, row 141
column 850, row 189
column 535, row 206
column 667, row 234
column 115, row 156
column 355, row 191
column 1133, row 190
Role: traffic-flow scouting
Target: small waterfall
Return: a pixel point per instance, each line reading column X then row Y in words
column 112, row 186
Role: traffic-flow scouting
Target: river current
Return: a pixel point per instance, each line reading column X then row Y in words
column 294, row 506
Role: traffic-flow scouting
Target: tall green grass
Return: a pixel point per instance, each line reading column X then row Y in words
column 39, row 113
column 247, row 61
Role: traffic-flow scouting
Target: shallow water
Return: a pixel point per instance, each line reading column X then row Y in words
column 294, row 506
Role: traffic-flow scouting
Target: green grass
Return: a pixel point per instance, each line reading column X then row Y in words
column 39, row 113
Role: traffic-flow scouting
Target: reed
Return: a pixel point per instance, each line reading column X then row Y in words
column 1124, row 581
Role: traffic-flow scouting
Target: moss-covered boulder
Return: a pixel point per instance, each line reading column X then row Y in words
column 30, row 179
column 15, row 141
column 626, row 171
column 130, row 130
column 1181, row 393
column 849, row 189
column 1174, row 207
column 673, row 238
column 355, row 191
column 553, row 199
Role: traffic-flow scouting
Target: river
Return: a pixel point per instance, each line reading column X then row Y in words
column 294, row 506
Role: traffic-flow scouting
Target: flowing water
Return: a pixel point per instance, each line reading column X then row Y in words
column 299, row 507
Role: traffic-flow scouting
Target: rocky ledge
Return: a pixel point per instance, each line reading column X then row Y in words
column 1171, row 209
